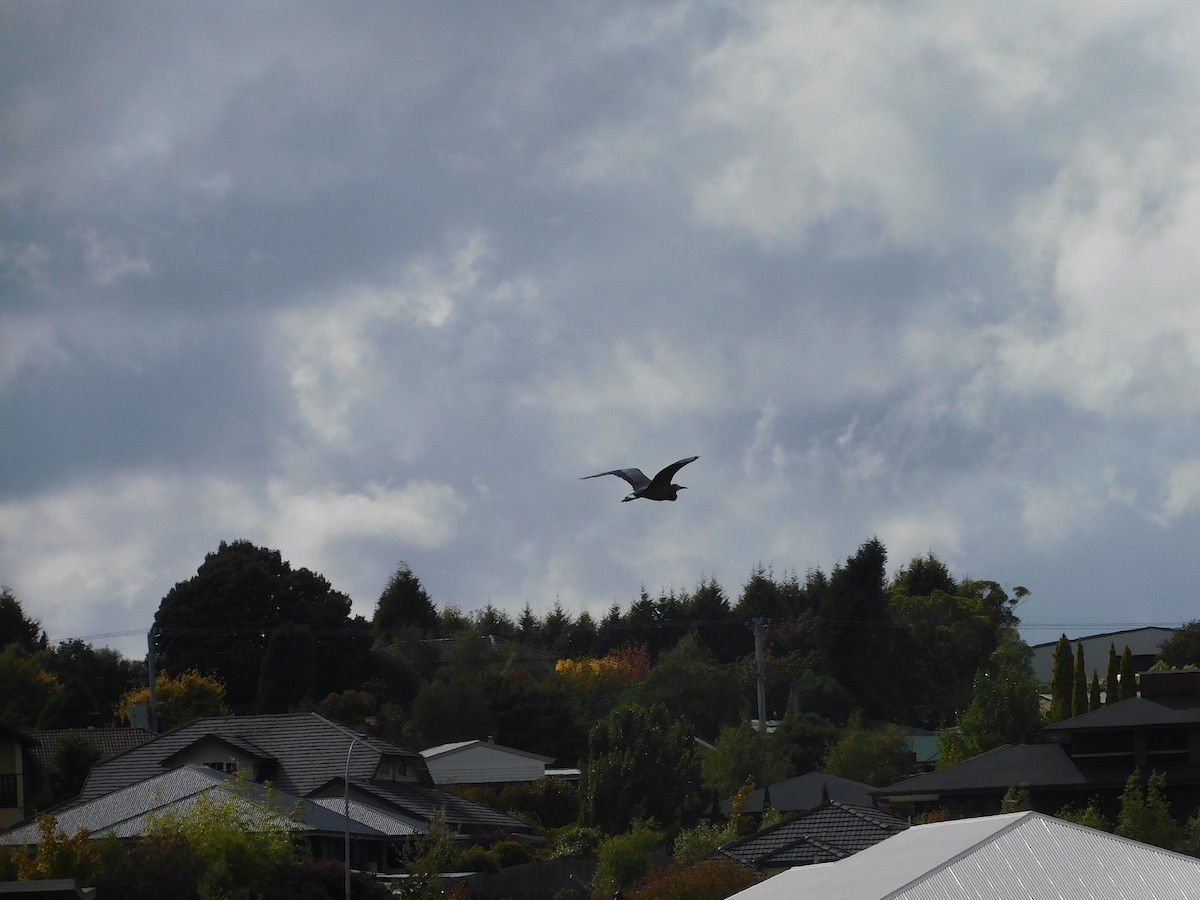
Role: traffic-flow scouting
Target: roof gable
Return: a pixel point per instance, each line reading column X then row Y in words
column 807, row 792
column 233, row 742
column 307, row 747
column 995, row 770
column 831, row 832
column 310, row 751
column 126, row 813
column 1172, row 710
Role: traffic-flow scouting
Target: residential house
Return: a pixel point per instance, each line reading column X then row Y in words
column 303, row 757
column 14, row 792
column 830, row 832
column 107, row 741
column 1006, row 857
column 1091, row 757
column 40, row 757
column 126, row 813
column 483, row 762
column 804, row 792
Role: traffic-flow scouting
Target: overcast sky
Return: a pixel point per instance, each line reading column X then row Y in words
column 375, row 283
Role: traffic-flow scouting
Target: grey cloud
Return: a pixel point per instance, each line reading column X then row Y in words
column 430, row 263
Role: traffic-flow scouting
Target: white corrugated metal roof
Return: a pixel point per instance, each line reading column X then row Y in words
column 126, row 813
column 431, row 753
column 1009, row 857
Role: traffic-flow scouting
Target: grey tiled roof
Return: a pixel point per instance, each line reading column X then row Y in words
column 831, row 832
column 1136, row 712
column 997, row 769
column 807, row 792
column 308, row 751
column 423, row 802
column 109, row 741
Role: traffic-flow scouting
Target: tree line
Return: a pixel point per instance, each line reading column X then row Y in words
column 851, row 656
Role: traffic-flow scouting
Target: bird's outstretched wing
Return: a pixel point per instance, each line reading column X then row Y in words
column 664, row 477
column 636, row 478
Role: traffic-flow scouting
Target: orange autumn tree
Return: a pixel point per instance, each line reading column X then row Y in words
column 597, row 681
column 180, row 698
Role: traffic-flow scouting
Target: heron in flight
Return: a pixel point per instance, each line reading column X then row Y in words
column 657, row 488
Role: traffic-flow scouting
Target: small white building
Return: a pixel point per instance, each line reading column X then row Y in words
column 483, row 762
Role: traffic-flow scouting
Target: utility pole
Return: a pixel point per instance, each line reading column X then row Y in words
column 761, row 662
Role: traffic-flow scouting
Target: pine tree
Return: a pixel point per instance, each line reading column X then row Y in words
column 1094, row 697
column 403, row 604
column 1060, row 680
column 1079, row 686
column 528, row 624
column 1128, row 676
column 1112, row 685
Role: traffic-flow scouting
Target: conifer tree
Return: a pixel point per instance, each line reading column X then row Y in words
column 1060, row 680
column 1094, row 697
column 1128, row 676
column 1079, row 686
column 1112, row 685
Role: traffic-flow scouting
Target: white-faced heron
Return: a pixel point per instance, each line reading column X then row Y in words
column 657, row 488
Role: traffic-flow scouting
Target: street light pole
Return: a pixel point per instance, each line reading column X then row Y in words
column 346, row 810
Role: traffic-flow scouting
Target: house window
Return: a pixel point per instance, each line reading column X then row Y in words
column 391, row 768
column 229, row 767
column 8, row 791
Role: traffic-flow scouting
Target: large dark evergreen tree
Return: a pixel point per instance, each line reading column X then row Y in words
column 924, row 576
column 1128, row 675
column 1061, row 680
column 220, row 620
column 855, row 627
column 403, row 604
column 761, row 598
column 16, row 627
column 1183, row 647
column 709, row 614
column 93, row 681
column 963, row 622
column 1079, row 693
column 688, row 683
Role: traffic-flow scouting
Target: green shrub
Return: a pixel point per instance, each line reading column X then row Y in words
column 323, row 879
column 698, row 842
column 512, row 852
column 624, row 858
column 550, row 802
column 154, row 867
column 479, row 859
column 575, row 841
